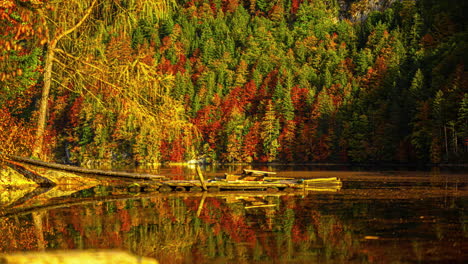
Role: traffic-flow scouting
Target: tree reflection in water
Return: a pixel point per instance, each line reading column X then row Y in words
column 357, row 226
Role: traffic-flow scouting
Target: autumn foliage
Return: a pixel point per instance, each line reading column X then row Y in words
column 240, row 81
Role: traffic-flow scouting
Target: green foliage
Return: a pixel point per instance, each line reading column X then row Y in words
column 270, row 132
column 24, row 75
column 357, row 131
column 463, row 117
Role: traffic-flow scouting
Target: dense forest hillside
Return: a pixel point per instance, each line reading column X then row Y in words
column 235, row 80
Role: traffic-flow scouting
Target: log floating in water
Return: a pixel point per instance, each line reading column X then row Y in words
column 56, row 166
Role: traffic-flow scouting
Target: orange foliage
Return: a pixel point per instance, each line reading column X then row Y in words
column 230, row 5
column 16, row 135
column 287, row 139
column 17, row 24
column 17, row 237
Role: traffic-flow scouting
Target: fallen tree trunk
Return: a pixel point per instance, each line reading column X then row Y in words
column 69, row 168
column 29, row 174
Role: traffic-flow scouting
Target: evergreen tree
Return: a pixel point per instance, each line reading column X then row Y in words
column 463, row 121
column 270, row 132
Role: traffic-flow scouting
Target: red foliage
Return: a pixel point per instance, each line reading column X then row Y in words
column 321, row 148
column 165, row 66
column 287, row 139
column 298, row 233
column 172, row 150
column 125, row 220
column 209, row 123
column 270, row 82
column 76, row 220
column 251, row 143
column 305, row 141
column 299, row 98
column 74, row 113
column 180, row 66
column 295, row 6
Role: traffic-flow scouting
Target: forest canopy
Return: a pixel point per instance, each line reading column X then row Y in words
column 235, row 80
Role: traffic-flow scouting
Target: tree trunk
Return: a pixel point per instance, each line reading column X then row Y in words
column 49, row 60
column 121, row 174
column 42, row 120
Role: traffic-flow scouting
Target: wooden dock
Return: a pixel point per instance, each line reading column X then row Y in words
column 249, row 180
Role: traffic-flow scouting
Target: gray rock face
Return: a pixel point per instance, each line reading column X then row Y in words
column 358, row 10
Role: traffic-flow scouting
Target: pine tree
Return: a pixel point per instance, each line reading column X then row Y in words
column 270, row 132
column 421, row 133
column 357, row 134
column 241, row 74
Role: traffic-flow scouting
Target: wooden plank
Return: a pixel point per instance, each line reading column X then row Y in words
column 323, row 189
column 321, row 179
column 259, row 206
column 258, row 172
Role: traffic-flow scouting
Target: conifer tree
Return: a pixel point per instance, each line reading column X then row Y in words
column 270, row 132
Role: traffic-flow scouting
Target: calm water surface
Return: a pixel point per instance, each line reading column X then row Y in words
column 391, row 216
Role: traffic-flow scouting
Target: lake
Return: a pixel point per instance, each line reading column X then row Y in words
column 377, row 216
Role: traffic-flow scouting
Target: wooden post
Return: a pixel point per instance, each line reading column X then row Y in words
column 200, row 177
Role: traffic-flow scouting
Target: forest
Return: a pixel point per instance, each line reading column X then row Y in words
column 293, row 81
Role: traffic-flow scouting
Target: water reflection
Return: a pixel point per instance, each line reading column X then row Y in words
column 234, row 227
column 379, row 218
column 242, row 228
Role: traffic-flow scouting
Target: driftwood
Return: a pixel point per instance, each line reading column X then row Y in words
column 69, row 168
